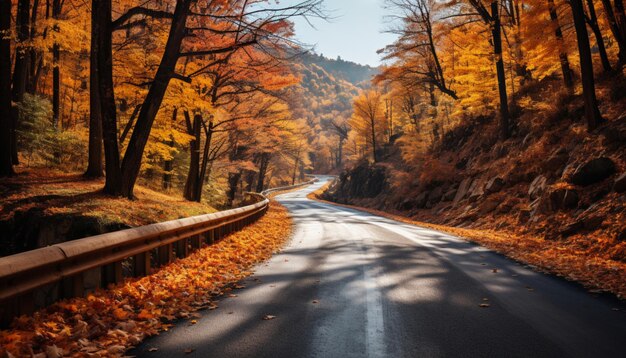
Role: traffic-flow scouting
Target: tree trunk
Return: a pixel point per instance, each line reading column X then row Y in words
column 191, row 185
column 616, row 29
column 20, row 72
column 263, row 165
column 205, row 161
column 103, row 27
column 130, row 123
column 168, row 165
column 340, row 153
column 592, row 113
column 134, row 153
column 295, row 170
column 593, row 24
column 56, row 73
column 497, row 50
column 373, row 125
column 565, row 67
column 22, row 56
column 621, row 22
column 6, row 157
column 94, row 167
column 233, row 182
column 33, row 56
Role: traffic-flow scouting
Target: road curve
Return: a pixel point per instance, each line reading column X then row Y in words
column 352, row 284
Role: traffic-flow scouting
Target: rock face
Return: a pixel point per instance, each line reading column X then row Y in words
column 563, row 199
column 363, row 181
column 476, row 190
column 434, row 197
column 620, row 183
column 449, row 195
column 494, row 185
column 593, row 171
column 537, row 187
column 417, row 202
column 556, row 162
column 463, row 189
column 488, row 206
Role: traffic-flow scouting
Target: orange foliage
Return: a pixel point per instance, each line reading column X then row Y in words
column 108, row 322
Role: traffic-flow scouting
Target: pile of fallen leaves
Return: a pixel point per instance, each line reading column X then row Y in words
column 557, row 257
column 108, row 322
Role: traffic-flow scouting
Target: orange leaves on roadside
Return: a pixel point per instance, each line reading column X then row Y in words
column 108, row 322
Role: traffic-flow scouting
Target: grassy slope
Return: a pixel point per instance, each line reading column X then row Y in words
column 39, row 192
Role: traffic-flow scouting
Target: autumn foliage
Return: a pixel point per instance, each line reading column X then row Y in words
column 109, row 321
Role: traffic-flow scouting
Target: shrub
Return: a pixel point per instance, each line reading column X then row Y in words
column 41, row 141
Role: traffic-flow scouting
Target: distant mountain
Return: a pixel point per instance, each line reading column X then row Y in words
column 352, row 72
column 324, row 96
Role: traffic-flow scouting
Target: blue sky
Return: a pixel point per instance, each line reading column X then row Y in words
column 354, row 33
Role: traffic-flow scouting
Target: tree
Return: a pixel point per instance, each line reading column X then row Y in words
column 592, row 113
column 6, row 157
column 95, row 165
column 617, row 23
column 558, row 33
column 493, row 21
column 240, row 27
column 368, row 119
column 416, row 46
column 592, row 21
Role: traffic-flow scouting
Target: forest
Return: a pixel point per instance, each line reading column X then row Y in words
column 171, row 93
column 207, row 100
column 501, row 123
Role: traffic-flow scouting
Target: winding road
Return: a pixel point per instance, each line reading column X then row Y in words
column 352, row 284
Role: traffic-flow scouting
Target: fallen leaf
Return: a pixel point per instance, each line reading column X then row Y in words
column 268, row 317
column 495, row 270
column 193, row 321
column 189, row 350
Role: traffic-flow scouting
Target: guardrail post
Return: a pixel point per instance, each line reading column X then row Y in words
column 165, row 254
column 141, row 264
column 195, row 242
column 15, row 307
column 112, row 273
column 73, row 286
column 210, row 236
column 182, row 248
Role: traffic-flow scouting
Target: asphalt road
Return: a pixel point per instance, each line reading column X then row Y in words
column 351, row 284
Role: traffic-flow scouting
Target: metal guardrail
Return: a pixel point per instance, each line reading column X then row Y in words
column 65, row 268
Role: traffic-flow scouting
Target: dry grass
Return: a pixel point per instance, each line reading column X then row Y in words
column 63, row 193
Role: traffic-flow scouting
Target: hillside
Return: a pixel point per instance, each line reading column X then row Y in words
column 42, row 208
column 354, row 73
column 324, row 97
column 551, row 187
